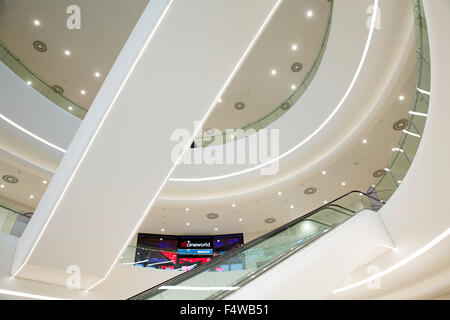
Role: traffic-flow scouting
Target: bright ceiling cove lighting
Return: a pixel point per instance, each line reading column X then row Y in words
column 418, row 114
column 31, row 134
column 315, row 132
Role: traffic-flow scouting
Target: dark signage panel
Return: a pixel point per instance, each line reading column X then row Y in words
column 183, row 252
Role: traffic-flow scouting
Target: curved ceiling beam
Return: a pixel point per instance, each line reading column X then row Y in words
column 315, row 132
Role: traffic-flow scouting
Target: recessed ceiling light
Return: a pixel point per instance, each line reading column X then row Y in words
column 216, row 229
column 294, row 47
column 83, row 92
column 97, row 74
column 401, row 98
column 232, row 136
column 399, row 181
column 293, row 87
column 39, row 46
column 44, row 181
column 37, row 22
column 364, row 141
column 310, row 190
column 10, row 179
column 325, row 202
column 162, row 230
column 67, row 52
column 240, row 219
column 70, row 108
column 31, row 196
column 292, row 206
column 343, row 184
column 273, row 72
column 188, row 224
column 279, row 193
column 2, row 186
column 324, row 172
column 29, row 83
column 309, row 13
column 270, row 220
column 234, row 205
column 239, row 105
column 187, row 209
column 212, row 215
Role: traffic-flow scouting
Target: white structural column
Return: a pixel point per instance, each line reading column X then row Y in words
column 172, row 69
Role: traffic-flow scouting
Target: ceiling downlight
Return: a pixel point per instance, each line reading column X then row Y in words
column 310, row 190
column 40, row 46
column 239, row 105
column 270, row 220
column 212, row 216
column 296, row 67
column 400, row 124
column 378, row 173
column 10, row 179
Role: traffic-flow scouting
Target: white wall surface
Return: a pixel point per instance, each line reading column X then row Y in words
column 116, row 164
column 31, row 110
column 419, row 211
column 314, row 272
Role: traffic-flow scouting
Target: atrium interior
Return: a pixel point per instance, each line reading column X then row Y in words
column 224, row 149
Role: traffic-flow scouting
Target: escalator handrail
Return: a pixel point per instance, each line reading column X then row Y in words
column 203, row 267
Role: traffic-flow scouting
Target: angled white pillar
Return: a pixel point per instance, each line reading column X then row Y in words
column 175, row 64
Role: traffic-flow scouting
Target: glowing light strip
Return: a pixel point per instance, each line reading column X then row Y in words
column 418, row 114
column 411, row 133
column 31, row 134
column 196, row 131
column 27, row 295
column 424, row 92
column 401, row 263
column 90, row 144
column 361, row 63
column 198, row 288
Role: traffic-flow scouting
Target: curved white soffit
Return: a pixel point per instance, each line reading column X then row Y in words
column 399, row 264
column 31, row 134
column 315, row 132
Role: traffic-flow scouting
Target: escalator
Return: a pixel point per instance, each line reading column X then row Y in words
column 210, row 281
